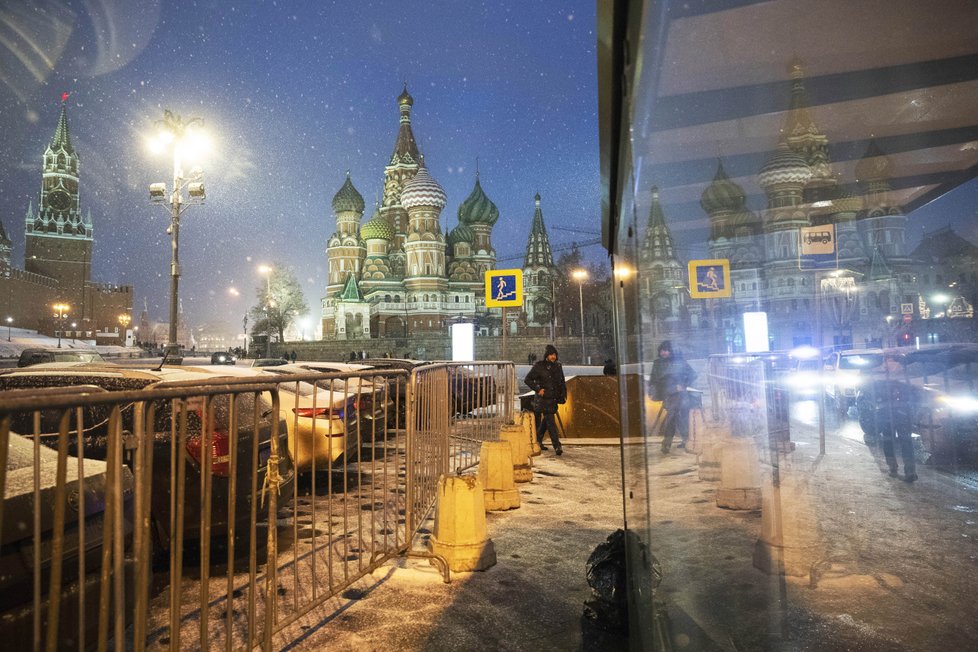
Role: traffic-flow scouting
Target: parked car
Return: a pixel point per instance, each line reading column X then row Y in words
column 327, row 422
column 268, row 362
column 470, row 389
column 844, row 371
column 17, row 544
column 946, row 416
column 95, row 430
column 29, row 357
column 222, row 357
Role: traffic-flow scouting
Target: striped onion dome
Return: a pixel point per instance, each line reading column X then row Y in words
column 477, row 208
column 423, row 190
column 461, row 233
column 348, row 199
column 722, row 195
column 784, row 166
column 847, row 202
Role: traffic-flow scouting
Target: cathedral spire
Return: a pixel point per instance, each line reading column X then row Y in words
column 62, row 137
column 405, row 148
column 658, row 239
column 538, row 251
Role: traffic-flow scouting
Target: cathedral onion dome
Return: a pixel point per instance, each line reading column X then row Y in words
column 461, row 233
column 377, row 228
column 348, row 199
column 405, row 97
column 874, row 165
column 722, row 195
column 477, row 208
column 423, row 190
column 784, row 166
column 847, row 202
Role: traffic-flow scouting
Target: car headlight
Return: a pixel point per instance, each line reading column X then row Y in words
column 961, row 404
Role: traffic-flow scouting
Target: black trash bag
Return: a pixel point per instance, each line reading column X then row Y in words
column 605, row 617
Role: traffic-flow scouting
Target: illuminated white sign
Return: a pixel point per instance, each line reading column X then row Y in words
column 755, row 332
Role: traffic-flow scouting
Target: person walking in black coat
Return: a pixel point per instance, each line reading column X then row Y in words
column 894, row 403
column 670, row 378
column 546, row 379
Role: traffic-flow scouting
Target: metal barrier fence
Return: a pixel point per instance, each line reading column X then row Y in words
column 150, row 550
column 749, row 391
column 480, row 397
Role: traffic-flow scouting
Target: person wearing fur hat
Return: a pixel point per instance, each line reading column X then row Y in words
column 546, row 379
column 671, row 376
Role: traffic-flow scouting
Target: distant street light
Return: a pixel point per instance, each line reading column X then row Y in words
column 10, row 320
column 580, row 275
column 186, row 141
column 60, row 318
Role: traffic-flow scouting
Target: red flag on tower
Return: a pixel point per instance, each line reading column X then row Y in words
column 64, row 96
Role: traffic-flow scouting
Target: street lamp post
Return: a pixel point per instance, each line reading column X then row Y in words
column 125, row 319
column 580, row 275
column 266, row 270
column 185, row 140
column 60, row 317
column 10, row 320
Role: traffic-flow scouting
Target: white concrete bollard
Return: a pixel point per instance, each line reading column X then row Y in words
column 739, row 475
column 496, row 475
column 789, row 542
column 522, row 462
column 460, row 535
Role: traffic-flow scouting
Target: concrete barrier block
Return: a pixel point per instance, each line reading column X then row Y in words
column 460, row 535
column 520, row 445
column 496, row 475
column 529, row 422
column 739, row 475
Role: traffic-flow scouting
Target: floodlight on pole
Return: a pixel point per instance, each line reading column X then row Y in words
column 61, row 311
column 186, row 140
column 580, row 275
column 9, row 320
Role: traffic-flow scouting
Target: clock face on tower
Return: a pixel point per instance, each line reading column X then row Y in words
column 59, row 200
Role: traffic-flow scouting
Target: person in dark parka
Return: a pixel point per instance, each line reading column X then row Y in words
column 670, row 378
column 546, row 379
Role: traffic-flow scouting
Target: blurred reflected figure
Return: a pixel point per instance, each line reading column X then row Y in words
column 670, row 378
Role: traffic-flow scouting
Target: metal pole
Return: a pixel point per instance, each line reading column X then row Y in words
column 268, row 314
column 821, row 394
column 175, row 200
column 580, row 290
column 505, row 341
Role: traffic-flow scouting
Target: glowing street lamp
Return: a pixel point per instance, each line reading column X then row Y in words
column 124, row 320
column 187, row 141
column 580, row 275
column 60, row 318
column 9, row 320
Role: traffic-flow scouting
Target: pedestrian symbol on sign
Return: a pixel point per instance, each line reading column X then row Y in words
column 504, row 288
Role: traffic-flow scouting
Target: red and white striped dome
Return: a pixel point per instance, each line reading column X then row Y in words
column 423, row 190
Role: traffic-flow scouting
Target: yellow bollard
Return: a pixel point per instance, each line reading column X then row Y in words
column 496, row 475
column 460, row 525
column 522, row 462
column 529, row 421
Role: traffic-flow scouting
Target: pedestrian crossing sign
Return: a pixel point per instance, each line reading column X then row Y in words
column 504, row 288
column 709, row 279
